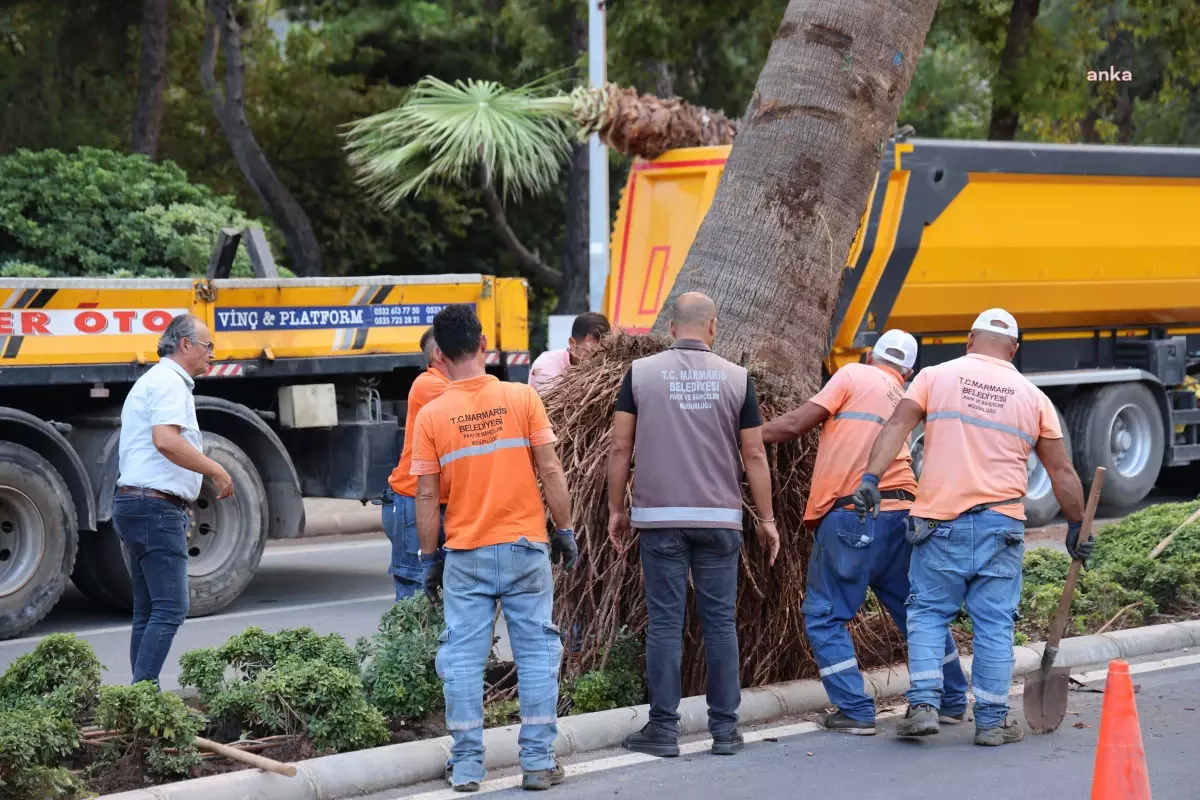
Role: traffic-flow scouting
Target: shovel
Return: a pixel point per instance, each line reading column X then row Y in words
column 1046, row 689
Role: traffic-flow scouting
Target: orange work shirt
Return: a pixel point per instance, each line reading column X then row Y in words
column 479, row 435
column 428, row 386
column 982, row 417
column 860, row 399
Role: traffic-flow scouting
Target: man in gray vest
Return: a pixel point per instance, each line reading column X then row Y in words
column 693, row 418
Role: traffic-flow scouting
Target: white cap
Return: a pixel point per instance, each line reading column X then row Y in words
column 996, row 320
column 896, row 347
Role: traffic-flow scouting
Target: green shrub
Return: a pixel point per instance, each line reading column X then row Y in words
column 150, row 720
column 102, row 213
column 62, row 671
column 501, row 713
column 617, row 685
column 398, row 660
column 240, row 660
column 292, row 681
column 1098, row 597
column 34, row 740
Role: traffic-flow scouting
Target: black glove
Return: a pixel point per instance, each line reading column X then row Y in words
column 1076, row 548
column 562, row 546
column 434, row 567
column 866, row 496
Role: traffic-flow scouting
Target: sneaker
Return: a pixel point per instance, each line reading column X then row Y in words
column 728, row 743
column 952, row 719
column 542, row 779
column 837, row 721
column 653, row 742
column 919, row 720
column 1007, row 733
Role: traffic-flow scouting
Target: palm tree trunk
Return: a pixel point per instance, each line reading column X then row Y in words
column 152, row 77
column 647, row 126
column 771, row 248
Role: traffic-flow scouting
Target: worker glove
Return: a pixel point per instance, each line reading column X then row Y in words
column 563, row 547
column 434, row 566
column 1076, row 548
column 866, row 496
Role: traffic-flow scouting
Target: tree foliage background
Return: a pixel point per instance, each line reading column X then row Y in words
column 69, row 79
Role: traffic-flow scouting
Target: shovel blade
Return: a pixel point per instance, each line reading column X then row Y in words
column 1046, row 699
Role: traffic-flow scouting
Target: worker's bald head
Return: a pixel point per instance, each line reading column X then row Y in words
column 694, row 316
column 989, row 343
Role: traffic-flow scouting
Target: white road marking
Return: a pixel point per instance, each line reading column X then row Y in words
column 293, row 550
column 258, row 612
column 1134, row 669
column 628, row 760
column 779, row 732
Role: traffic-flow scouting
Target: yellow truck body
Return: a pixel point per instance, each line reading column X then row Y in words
column 1094, row 249
column 306, row 397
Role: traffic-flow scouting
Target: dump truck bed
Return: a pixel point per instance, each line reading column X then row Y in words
column 1071, row 239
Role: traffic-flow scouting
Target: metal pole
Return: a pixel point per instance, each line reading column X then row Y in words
column 598, row 232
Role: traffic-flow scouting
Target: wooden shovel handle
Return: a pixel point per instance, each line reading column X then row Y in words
column 288, row 770
column 1085, row 533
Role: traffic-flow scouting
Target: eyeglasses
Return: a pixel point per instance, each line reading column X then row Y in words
column 206, row 345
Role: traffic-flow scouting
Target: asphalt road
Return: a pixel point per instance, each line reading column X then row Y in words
column 334, row 584
column 340, row 586
column 821, row 765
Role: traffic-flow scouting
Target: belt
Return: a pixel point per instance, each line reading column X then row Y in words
column 887, row 494
column 985, row 506
column 138, row 491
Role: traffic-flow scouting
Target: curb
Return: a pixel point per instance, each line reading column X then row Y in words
column 398, row 765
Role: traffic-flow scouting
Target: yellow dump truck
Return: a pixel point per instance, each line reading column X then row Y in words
column 1094, row 249
column 306, row 397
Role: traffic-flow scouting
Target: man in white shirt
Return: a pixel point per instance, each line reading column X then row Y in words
column 162, row 466
column 586, row 332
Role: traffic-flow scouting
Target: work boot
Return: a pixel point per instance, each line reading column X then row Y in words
column 728, row 743
column 952, row 719
column 1008, row 732
column 653, row 742
column 469, row 786
column 919, row 720
column 539, row 780
column 837, row 721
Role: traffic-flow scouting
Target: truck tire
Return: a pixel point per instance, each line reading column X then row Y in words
column 38, row 538
column 225, row 545
column 101, row 572
column 227, row 537
column 1040, row 504
column 1118, row 427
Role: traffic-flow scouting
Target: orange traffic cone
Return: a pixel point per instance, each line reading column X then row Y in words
column 1120, row 772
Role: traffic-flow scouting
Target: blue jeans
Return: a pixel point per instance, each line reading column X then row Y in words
column 517, row 575
column 847, row 557
column 400, row 526
column 711, row 555
column 155, row 534
column 974, row 559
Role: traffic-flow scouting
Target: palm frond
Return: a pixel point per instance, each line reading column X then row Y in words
column 444, row 132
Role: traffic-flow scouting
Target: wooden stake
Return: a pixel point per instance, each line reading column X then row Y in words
column 233, row 754
column 1165, row 543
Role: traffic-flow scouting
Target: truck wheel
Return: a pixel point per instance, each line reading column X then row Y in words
column 226, row 537
column 38, row 538
column 225, row 542
column 1040, row 504
column 1118, row 427
column 101, row 572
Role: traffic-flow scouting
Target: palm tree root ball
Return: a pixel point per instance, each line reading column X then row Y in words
column 603, row 597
